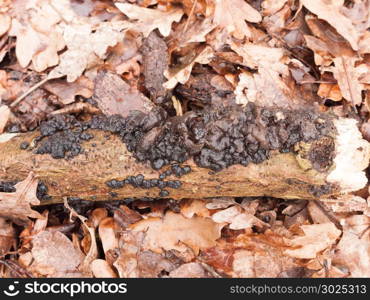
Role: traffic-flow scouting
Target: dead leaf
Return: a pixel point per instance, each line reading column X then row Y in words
column 316, row 238
column 67, row 92
column 124, row 216
column 233, row 14
column 4, row 117
column 353, row 249
column 5, row 22
column 101, row 269
column 86, row 45
column 115, row 96
column 318, row 213
column 92, row 254
column 129, row 247
column 150, row 19
column 55, row 256
column 332, row 12
column 182, row 73
column 250, row 256
column 107, row 234
column 330, row 91
column 238, row 218
column 197, row 232
column 190, row 208
column 270, row 7
column 97, row 215
column 346, row 203
column 195, row 32
column 41, row 40
column 190, row 270
column 151, row 265
column 17, row 205
column 348, row 76
column 7, row 236
column 222, row 202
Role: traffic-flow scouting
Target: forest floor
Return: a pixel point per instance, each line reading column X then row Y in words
column 95, row 62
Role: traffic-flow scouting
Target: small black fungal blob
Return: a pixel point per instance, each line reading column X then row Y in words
column 163, row 193
column 319, row 190
column 179, row 171
column 42, row 191
column 113, row 194
column 115, row 184
column 175, row 184
column 24, row 145
column 216, row 138
column 7, row 186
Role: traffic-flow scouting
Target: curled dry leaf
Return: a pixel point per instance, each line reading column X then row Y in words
column 190, row 208
column 17, row 205
column 92, row 254
column 107, row 234
column 316, row 238
column 181, row 74
column 233, row 14
column 193, row 32
column 150, row 19
column 97, row 215
column 330, row 91
column 227, row 215
column 196, row 233
column 332, row 12
column 238, row 218
column 318, row 212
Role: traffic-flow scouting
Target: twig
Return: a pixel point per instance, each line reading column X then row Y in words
column 25, row 94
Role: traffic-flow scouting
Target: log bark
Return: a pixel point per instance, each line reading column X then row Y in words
column 283, row 175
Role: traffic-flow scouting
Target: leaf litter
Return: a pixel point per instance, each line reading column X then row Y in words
column 85, row 57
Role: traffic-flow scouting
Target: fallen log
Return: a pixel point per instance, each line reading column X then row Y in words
column 99, row 172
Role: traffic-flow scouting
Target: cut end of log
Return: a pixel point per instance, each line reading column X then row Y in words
column 352, row 157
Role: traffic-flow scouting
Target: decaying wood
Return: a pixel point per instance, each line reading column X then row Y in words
column 283, row 175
